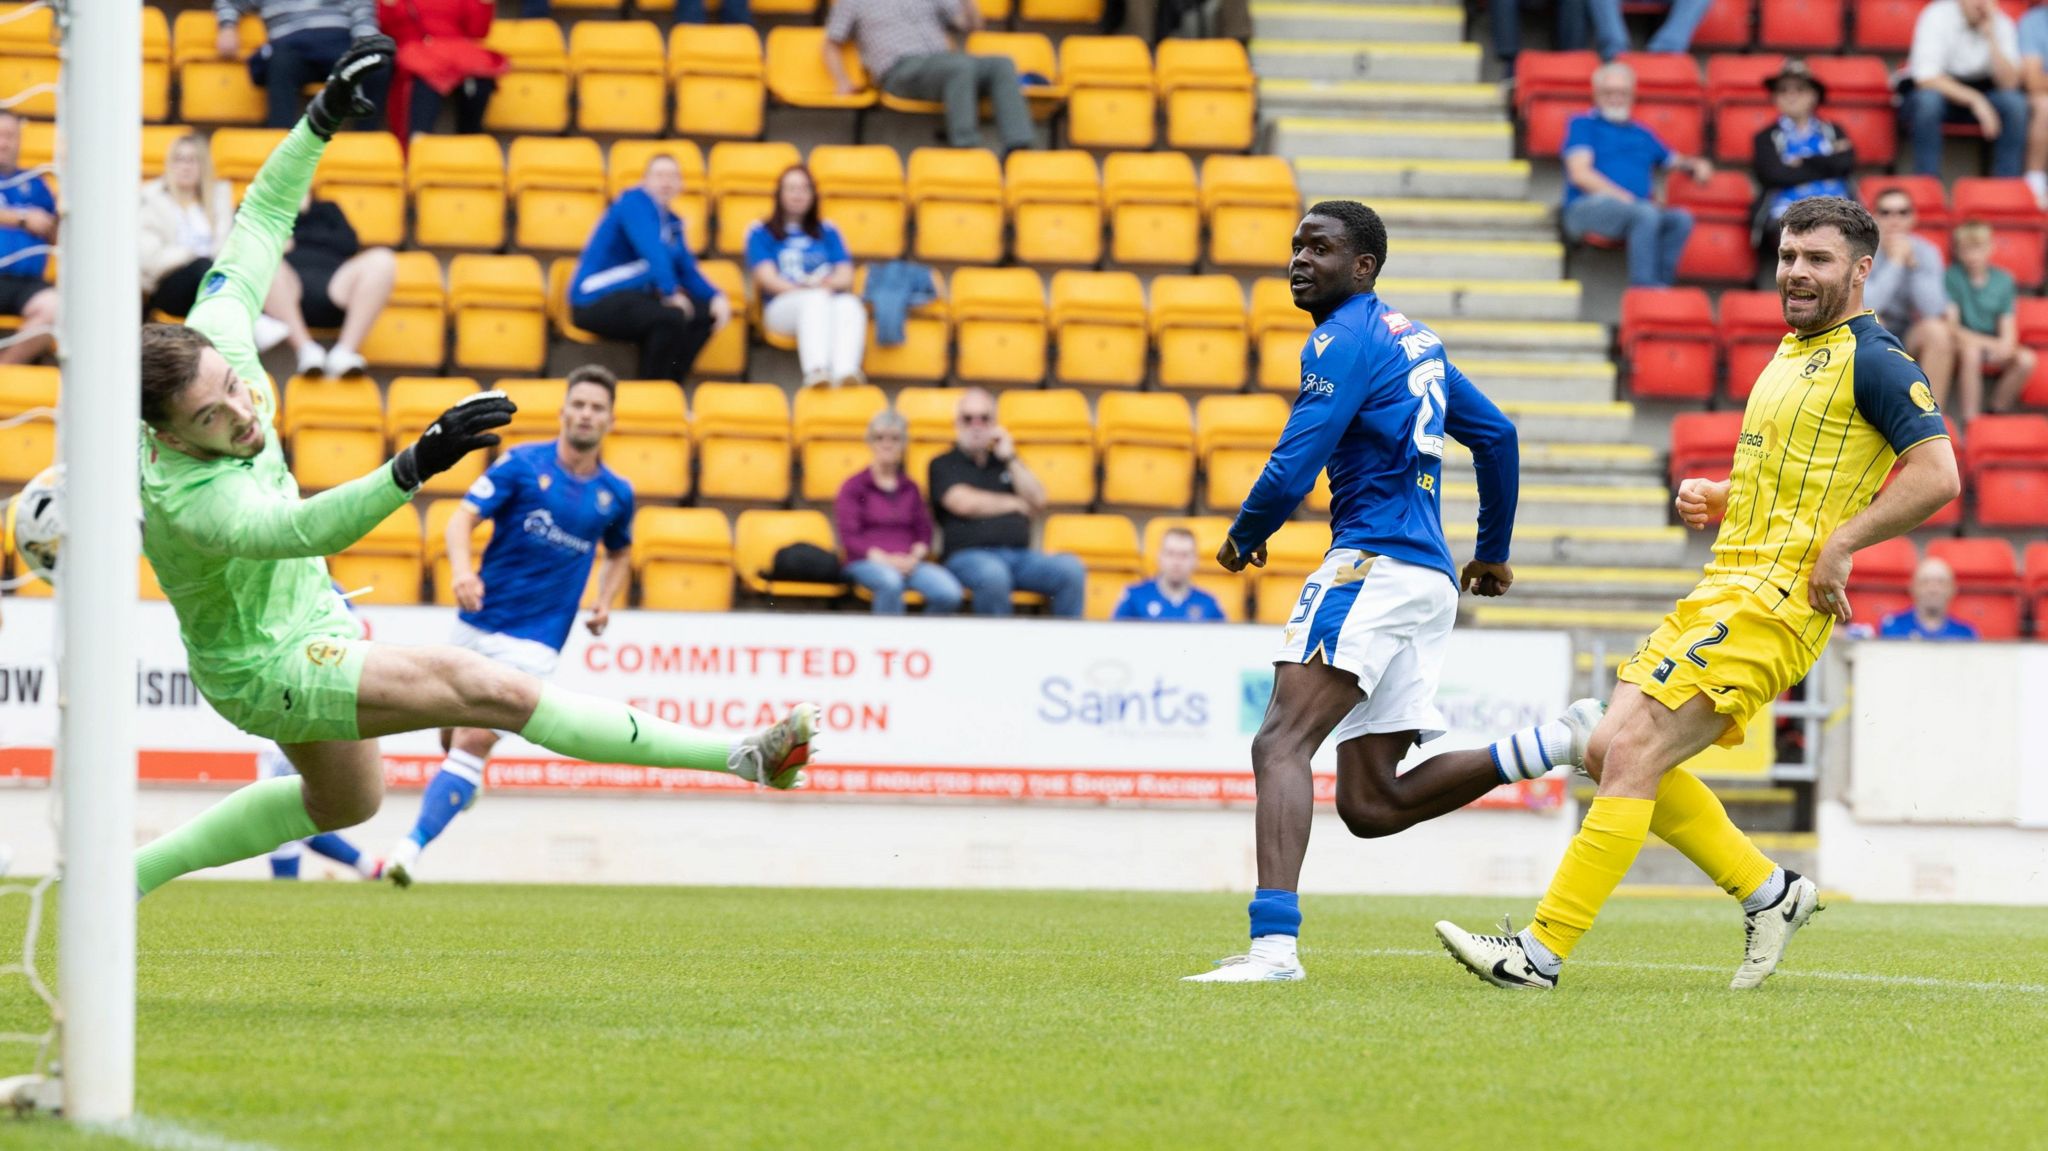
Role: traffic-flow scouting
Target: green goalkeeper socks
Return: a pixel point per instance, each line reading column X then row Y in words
column 246, row 824
column 604, row 731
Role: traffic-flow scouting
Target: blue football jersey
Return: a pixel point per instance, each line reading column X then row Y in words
column 546, row 525
column 1378, row 396
column 1145, row 601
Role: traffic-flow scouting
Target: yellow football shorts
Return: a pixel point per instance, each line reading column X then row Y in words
column 1722, row 642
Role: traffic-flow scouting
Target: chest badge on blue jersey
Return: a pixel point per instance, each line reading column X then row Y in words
column 546, row 481
column 604, row 500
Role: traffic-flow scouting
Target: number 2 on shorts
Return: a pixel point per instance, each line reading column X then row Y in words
column 1693, row 653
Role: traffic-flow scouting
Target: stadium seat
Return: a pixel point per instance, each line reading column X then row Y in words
column 146, row 585
column 1881, row 580
column 742, row 182
column 385, row 565
column 364, row 173
column 797, row 77
column 629, row 160
column 1229, row 588
column 1860, row 100
column 156, row 65
column 557, row 188
column 156, row 145
column 1060, row 12
column 1751, row 327
column 956, row 198
column 2033, row 318
column 1703, row 445
column 1551, row 88
column 1111, row 98
column 1055, row 438
column 1801, row 25
column 533, row 94
column 684, row 559
column 597, row 8
column 1154, row 208
column 1033, row 55
column 1293, row 552
column 412, row 330
column 929, row 412
column 1251, row 206
column 1279, row 329
column 434, row 547
column 1741, row 106
column 618, row 69
column 725, row 354
column 743, row 448
column 1670, row 98
column 212, row 90
column 458, row 190
column 31, row 445
column 1198, row 326
column 1667, row 338
column 650, row 439
column 2019, row 227
column 1098, row 326
column 1885, row 25
column 2037, row 585
column 413, row 403
column 1055, row 201
column 539, row 418
column 500, row 306
column 926, row 350
column 1930, row 202
column 1106, row 545
column 1988, row 584
column 1210, row 93
column 560, row 272
column 830, row 428
column 238, row 152
column 1951, row 514
column 1722, row 248
column 1727, row 24
column 1147, row 440
column 720, row 84
column 335, row 429
column 999, row 318
column 860, row 189
column 1234, row 436
column 2008, row 469
column 760, row 533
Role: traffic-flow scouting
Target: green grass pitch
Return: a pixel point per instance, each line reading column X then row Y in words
column 329, row 1015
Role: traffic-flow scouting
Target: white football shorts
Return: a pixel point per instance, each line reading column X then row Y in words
column 1386, row 622
column 528, row 655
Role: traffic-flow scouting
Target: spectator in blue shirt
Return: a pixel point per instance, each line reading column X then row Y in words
column 1610, row 164
column 28, row 225
column 637, row 280
column 805, row 277
column 1934, row 588
column 1171, row 596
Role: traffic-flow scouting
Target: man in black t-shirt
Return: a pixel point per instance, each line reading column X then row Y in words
column 983, row 499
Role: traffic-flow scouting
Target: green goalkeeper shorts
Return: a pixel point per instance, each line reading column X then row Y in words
column 306, row 694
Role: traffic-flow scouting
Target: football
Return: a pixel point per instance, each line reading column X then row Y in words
column 35, row 521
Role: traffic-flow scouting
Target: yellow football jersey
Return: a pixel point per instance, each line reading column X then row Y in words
column 1829, row 415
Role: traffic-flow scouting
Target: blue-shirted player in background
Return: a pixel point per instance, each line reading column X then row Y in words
column 1171, row 596
column 552, row 506
column 1361, row 656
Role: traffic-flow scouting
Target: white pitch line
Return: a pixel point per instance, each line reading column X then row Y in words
column 164, row 1135
column 1928, row 981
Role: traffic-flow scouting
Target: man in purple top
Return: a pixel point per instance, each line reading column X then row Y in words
column 886, row 529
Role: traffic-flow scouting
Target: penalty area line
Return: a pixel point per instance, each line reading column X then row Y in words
column 164, row 1135
column 1928, row 981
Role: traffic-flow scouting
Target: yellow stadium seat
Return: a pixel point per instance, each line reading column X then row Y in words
column 1293, row 553
column 926, row 350
column 742, row 433
column 720, row 89
column 1279, row 329
column 212, row 90
column 540, row 411
column 31, row 445
column 1154, row 212
column 1060, row 11
column 238, row 152
column 1032, row 53
column 557, row 188
column 999, row 324
column 364, row 173
column 1198, row 326
column 1147, row 441
column 1098, row 325
column 620, row 86
column 434, row 546
column 860, row 189
column 929, row 412
column 413, row 403
column 1111, row 102
column 156, row 145
column 629, row 159
column 725, row 354
column 1055, row 438
column 533, row 94
column 1210, row 92
column 1228, row 588
column 994, row 11
column 156, row 65
column 384, row 566
column 1251, row 205
column 458, row 189
column 804, row 8
column 797, row 76
column 956, row 195
column 500, row 306
column 759, row 534
column 650, row 439
column 146, row 585
column 560, row 272
column 335, row 429
column 684, row 559
column 595, row 7
column 1234, row 436
column 28, row 59
column 1055, row 203
column 831, row 426
column 1107, row 545
column 412, row 330
column 742, row 179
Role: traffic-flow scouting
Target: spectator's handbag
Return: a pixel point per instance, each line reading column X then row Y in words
column 804, row 563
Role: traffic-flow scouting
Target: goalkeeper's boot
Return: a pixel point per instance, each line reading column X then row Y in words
column 776, row 757
column 1498, row 959
column 1249, row 969
column 1770, row 930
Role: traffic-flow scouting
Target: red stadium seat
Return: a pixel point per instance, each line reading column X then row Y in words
column 2019, row 227
column 2009, row 470
column 1728, row 24
column 1752, row 326
column 1735, row 88
column 1952, row 513
column 1886, row 25
column 1930, row 199
column 2037, row 584
column 1551, row 88
column 1670, row 98
column 1987, row 584
column 1703, row 445
column 1721, row 249
column 1881, row 579
column 2033, row 316
column 1667, row 337
column 1860, row 100
column 1801, row 25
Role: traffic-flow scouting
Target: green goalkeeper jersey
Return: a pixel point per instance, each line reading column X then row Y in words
column 240, row 556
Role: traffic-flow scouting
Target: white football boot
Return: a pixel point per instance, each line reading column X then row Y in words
column 1498, row 959
column 1770, row 930
column 1248, row 969
column 405, row 855
column 776, row 757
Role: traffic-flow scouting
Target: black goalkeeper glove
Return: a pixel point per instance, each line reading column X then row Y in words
column 461, row 430
column 342, row 98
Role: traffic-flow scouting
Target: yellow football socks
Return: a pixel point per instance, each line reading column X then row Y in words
column 1599, row 855
column 1689, row 817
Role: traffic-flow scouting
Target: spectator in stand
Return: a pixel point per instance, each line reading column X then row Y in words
column 1171, row 596
column 637, row 280
column 302, row 40
column 1907, row 291
column 805, row 278
column 886, row 529
column 1610, row 163
column 729, row 12
column 1984, row 307
column 1934, row 588
column 28, row 225
column 2033, row 37
column 329, row 280
column 441, row 60
column 185, row 215
column 1965, row 66
column 1800, row 154
column 984, row 499
column 907, row 47
column 1610, row 32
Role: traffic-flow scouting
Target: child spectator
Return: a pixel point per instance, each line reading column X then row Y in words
column 1983, row 303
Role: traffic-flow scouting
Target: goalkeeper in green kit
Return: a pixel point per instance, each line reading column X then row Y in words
column 240, row 557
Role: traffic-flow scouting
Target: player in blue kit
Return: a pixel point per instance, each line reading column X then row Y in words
column 552, row 506
column 1361, row 656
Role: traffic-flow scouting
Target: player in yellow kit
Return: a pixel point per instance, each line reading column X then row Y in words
column 1838, row 404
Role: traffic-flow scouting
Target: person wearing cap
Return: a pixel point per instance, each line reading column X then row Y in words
column 1799, row 154
column 1965, row 67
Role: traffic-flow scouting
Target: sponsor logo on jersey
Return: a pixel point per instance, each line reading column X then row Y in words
column 1760, row 441
column 1815, row 363
column 1321, row 340
column 540, row 524
column 1922, row 398
column 1396, row 322
column 1663, row 672
column 1319, row 385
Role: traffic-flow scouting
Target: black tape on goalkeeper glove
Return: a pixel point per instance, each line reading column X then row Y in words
column 459, row 431
column 343, row 98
